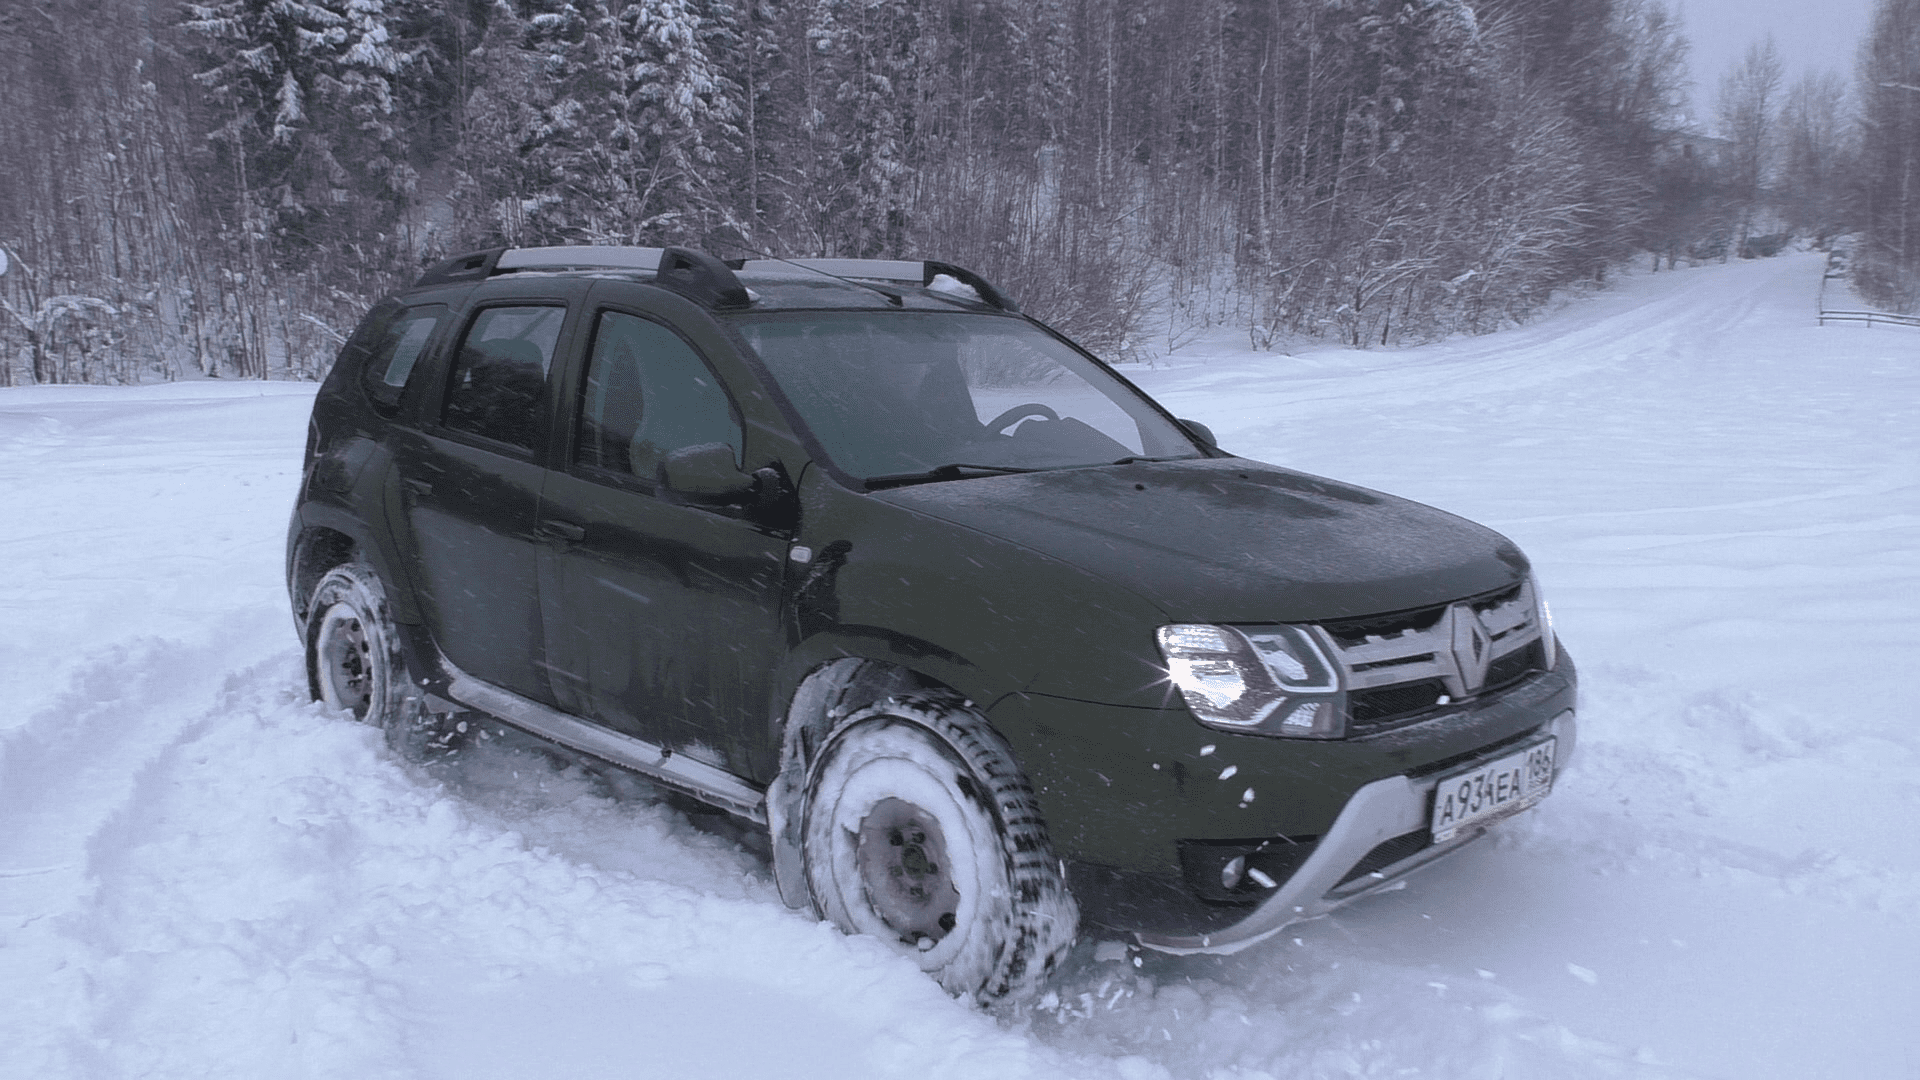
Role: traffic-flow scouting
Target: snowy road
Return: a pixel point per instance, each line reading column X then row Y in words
column 203, row 875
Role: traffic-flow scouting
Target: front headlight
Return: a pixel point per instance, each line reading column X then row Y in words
column 1549, row 645
column 1269, row 680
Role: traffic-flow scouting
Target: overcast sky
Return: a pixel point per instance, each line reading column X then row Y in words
column 1811, row 34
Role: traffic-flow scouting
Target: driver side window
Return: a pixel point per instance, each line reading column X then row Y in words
column 647, row 394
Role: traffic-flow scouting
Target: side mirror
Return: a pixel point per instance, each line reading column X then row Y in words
column 706, row 473
column 1202, row 432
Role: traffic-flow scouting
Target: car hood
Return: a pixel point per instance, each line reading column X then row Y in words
column 1231, row 540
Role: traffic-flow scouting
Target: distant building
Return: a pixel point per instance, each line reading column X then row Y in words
column 1704, row 150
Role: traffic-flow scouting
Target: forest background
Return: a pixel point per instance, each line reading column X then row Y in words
column 220, row 188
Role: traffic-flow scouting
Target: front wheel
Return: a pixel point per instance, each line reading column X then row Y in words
column 920, row 830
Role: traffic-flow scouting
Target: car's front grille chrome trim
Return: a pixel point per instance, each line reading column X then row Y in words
column 1448, row 652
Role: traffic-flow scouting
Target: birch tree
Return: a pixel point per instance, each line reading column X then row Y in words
column 1816, row 156
column 1748, row 108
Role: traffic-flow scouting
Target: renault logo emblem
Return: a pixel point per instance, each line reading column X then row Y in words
column 1472, row 647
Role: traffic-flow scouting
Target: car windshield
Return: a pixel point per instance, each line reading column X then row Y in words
column 936, row 395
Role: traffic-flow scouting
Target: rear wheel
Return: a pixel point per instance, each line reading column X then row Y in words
column 920, row 830
column 354, row 662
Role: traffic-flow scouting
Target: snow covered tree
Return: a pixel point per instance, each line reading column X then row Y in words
column 1748, row 107
column 848, row 82
column 1615, row 72
column 307, row 91
column 1888, row 267
column 1375, row 169
column 877, row 96
column 1816, row 156
column 609, row 116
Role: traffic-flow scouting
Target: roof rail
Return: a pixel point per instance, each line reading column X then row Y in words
column 472, row 266
column 701, row 278
column 964, row 276
column 913, row 272
column 581, row 256
column 694, row 274
column 869, row 269
column 697, row 275
column 480, row 265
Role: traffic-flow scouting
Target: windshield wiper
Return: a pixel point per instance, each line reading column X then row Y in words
column 955, row 471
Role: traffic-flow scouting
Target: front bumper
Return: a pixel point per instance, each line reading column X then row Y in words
column 1378, row 813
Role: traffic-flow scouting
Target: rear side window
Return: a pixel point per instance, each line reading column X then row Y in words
column 392, row 355
column 404, row 343
column 499, row 375
column 388, row 344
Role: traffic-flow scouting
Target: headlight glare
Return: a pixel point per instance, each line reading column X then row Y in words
column 1216, row 681
column 1272, row 680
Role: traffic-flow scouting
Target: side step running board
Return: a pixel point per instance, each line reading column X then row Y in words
column 696, row 778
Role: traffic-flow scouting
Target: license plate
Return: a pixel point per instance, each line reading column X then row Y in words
column 1492, row 791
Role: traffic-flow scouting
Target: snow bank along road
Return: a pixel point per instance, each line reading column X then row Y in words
column 201, row 874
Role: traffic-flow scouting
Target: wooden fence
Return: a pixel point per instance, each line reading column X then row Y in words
column 1828, row 315
column 1868, row 317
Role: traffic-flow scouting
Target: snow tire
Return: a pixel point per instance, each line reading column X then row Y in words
column 920, row 829
column 355, row 663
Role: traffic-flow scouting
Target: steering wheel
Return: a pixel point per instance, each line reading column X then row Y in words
column 1018, row 413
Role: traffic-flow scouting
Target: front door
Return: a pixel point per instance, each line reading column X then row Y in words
column 663, row 618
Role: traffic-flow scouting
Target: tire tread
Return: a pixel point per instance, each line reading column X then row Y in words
column 1045, row 919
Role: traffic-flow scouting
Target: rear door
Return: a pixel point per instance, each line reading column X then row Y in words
column 663, row 618
column 470, row 477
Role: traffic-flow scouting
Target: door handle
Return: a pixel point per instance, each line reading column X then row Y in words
column 417, row 486
column 562, row 530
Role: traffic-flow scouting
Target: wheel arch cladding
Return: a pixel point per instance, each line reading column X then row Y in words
column 316, row 549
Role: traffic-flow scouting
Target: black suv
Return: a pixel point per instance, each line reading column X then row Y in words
column 991, row 644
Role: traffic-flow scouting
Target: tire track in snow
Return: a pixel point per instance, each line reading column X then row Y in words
column 65, row 775
column 1644, row 326
column 267, row 892
column 68, row 769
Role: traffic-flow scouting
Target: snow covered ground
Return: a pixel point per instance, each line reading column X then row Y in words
column 201, row 874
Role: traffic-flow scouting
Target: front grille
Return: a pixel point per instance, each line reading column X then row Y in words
column 1352, row 632
column 1402, row 664
column 1514, row 666
column 1368, row 709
